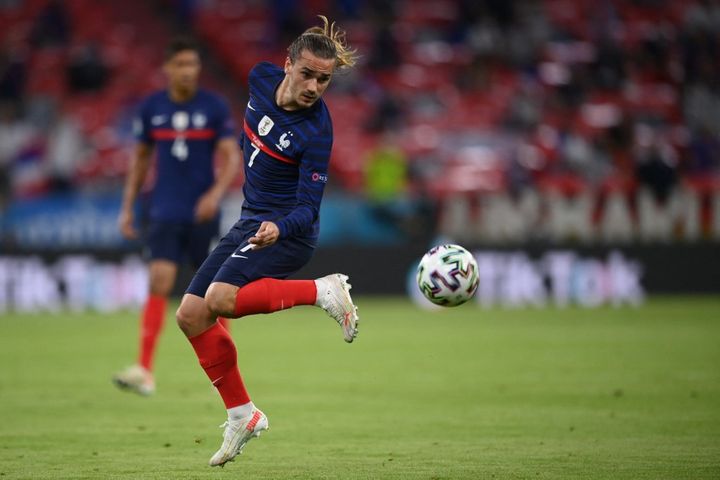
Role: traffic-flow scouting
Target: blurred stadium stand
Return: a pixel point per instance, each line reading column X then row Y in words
column 476, row 98
column 500, row 94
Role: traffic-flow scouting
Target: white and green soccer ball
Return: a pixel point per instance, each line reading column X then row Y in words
column 448, row 275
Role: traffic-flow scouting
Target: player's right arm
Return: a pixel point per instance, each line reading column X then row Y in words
column 139, row 167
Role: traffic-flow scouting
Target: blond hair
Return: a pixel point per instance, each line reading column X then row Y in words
column 326, row 41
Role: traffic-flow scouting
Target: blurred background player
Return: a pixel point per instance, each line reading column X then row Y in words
column 286, row 144
column 187, row 126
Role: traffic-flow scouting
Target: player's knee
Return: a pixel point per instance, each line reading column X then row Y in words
column 184, row 319
column 161, row 288
column 162, row 277
column 220, row 299
column 193, row 317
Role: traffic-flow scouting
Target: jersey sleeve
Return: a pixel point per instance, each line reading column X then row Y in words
column 225, row 126
column 141, row 124
column 312, row 178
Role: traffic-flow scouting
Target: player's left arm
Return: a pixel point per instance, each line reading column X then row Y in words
column 228, row 164
column 312, row 178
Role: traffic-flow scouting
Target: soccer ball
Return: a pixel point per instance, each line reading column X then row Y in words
column 448, row 275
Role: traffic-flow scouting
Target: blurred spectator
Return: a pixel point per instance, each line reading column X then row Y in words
column 288, row 20
column 699, row 43
column 20, row 154
column 86, row 70
column 5, row 192
column 10, row 4
column 525, row 108
column 484, row 38
column 387, row 190
column 384, row 52
column 474, row 76
column 516, row 67
column 702, row 107
column 387, row 114
column 703, row 15
column 64, row 152
column 502, row 11
column 608, row 69
column 28, row 177
column 704, row 153
column 380, row 11
column 584, row 157
column 347, row 9
column 386, row 172
column 653, row 59
column 13, row 75
column 183, row 11
column 52, row 26
column 617, row 141
column 469, row 12
column 573, row 93
column 656, row 165
column 15, row 135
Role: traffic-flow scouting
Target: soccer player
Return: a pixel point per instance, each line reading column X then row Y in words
column 186, row 126
column 286, row 143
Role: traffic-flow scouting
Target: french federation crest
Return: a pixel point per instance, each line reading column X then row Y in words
column 199, row 119
column 266, row 124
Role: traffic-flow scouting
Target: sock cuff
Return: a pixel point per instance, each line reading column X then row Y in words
column 157, row 300
column 214, row 330
column 240, row 411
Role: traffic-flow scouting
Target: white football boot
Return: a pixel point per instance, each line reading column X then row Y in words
column 333, row 296
column 135, row 379
column 236, row 434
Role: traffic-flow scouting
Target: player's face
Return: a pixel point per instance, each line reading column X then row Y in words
column 183, row 70
column 308, row 78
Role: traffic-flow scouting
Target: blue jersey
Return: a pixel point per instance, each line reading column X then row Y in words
column 286, row 156
column 185, row 136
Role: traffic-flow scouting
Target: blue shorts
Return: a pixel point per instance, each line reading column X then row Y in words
column 176, row 241
column 228, row 264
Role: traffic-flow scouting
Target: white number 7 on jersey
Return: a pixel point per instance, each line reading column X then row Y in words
column 254, row 154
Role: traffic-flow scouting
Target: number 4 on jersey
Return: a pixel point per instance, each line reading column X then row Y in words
column 180, row 149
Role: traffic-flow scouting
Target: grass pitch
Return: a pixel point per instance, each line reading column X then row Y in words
column 459, row 394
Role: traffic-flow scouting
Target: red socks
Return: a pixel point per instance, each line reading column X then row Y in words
column 270, row 295
column 218, row 357
column 151, row 324
column 224, row 322
column 215, row 348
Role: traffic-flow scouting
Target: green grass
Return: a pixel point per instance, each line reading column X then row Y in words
column 465, row 393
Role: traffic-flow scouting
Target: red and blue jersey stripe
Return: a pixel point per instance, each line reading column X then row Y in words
column 286, row 156
column 184, row 136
